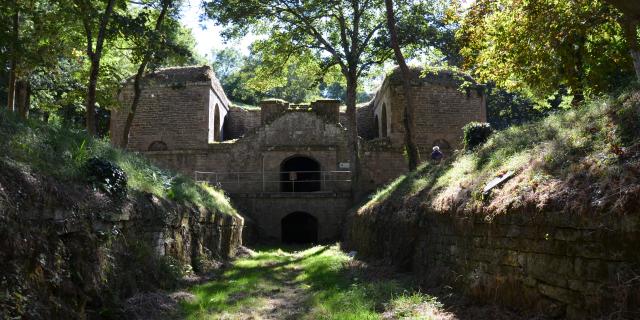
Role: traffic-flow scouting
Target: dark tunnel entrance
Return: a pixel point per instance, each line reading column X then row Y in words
column 300, row 174
column 299, row 228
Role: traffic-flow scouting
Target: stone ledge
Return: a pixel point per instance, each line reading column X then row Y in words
column 295, row 195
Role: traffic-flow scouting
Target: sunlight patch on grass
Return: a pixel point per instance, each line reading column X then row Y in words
column 328, row 287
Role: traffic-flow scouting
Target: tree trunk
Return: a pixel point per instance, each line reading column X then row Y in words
column 631, row 34
column 91, row 97
column 95, row 56
column 352, row 130
column 408, row 122
column 23, row 98
column 137, row 90
column 11, row 88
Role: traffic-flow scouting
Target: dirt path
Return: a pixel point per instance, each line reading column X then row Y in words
column 286, row 301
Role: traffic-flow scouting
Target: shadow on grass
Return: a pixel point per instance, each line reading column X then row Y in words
column 248, row 281
column 331, row 286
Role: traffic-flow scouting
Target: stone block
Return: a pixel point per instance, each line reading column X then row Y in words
column 558, row 293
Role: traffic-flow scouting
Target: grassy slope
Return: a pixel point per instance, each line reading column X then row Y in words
column 589, row 156
column 55, row 150
column 327, row 285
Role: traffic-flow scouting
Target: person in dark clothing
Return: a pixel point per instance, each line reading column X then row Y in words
column 436, row 155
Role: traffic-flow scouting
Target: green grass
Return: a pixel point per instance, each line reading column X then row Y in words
column 557, row 147
column 59, row 151
column 328, row 286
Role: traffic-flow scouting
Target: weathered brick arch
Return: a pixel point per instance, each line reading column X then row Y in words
column 158, row 146
column 383, row 126
column 216, row 124
column 294, row 171
column 299, row 227
column 376, row 126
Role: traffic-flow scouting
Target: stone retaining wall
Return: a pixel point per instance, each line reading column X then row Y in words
column 554, row 263
column 69, row 252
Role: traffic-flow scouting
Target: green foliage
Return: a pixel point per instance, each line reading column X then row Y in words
column 505, row 108
column 578, row 46
column 105, row 175
column 52, row 46
column 250, row 79
column 62, row 152
column 627, row 117
column 475, row 134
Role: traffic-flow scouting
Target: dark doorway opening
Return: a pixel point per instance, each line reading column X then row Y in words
column 299, row 228
column 300, row 174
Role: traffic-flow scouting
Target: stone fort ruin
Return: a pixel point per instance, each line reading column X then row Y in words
column 286, row 166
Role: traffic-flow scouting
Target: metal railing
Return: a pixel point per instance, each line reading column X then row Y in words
column 280, row 181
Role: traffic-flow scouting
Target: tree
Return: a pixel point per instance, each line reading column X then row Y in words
column 147, row 49
column 629, row 21
column 88, row 11
column 408, row 122
column 340, row 33
column 13, row 49
column 50, row 30
column 543, row 46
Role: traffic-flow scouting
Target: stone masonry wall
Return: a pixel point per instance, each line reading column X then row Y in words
column 177, row 116
column 240, row 121
column 240, row 164
column 366, row 125
column 554, row 263
column 381, row 163
column 73, row 248
column 267, row 210
column 441, row 110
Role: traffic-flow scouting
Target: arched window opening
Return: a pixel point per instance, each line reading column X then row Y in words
column 299, row 228
column 300, row 174
column 216, row 124
column 226, row 129
column 376, row 127
column 158, row 146
column 383, row 125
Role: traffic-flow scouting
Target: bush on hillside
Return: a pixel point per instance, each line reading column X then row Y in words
column 106, row 176
column 65, row 153
column 475, row 134
column 627, row 117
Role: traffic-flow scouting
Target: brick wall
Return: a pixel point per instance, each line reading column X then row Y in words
column 177, row 108
column 265, row 211
column 177, row 116
column 555, row 263
column 381, row 164
column 367, row 128
column 441, row 110
column 294, row 133
column 239, row 121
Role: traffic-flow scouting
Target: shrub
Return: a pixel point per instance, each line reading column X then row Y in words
column 107, row 176
column 475, row 134
column 627, row 117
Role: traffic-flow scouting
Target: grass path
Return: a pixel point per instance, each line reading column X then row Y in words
column 317, row 283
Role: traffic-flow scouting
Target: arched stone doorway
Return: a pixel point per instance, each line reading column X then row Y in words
column 383, row 119
column 216, row 124
column 299, row 227
column 300, row 174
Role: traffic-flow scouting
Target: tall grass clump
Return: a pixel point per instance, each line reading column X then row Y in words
column 63, row 152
